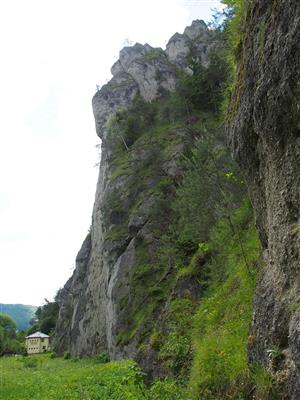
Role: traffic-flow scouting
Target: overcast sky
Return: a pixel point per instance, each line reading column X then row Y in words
column 53, row 53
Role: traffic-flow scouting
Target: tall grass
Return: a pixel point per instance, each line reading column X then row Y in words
column 220, row 368
column 41, row 377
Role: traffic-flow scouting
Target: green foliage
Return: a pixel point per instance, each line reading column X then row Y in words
column 112, row 208
column 172, row 338
column 153, row 55
column 211, row 189
column 8, row 325
column 234, row 27
column 67, row 355
column 116, row 233
column 203, row 90
column 103, row 358
column 220, row 334
column 173, row 108
column 176, row 353
column 166, row 390
column 196, row 267
column 264, row 384
column 45, row 318
column 44, row 378
column 293, row 307
column 9, row 343
column 126, row 126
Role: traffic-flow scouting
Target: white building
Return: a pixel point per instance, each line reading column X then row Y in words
column 37, row 342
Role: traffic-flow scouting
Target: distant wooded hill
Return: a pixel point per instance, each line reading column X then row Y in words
column 20, row 313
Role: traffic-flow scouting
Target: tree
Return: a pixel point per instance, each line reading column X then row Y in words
column 45, row 317
column 8, row 325
column 203, row 89
column 8, row 342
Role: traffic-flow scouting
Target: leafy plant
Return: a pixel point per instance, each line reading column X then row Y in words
column 103, row 358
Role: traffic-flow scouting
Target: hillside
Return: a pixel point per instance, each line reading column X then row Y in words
column 20, row 313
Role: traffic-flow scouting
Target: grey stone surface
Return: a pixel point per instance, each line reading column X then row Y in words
column 264, row 135
column 145, row 70
column 197, row 38
column 91, row 301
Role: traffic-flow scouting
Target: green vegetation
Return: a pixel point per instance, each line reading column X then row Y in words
column 153, row 55
column 203, row 90
column 43, row 378
column 45, row 317
column 234, row 25
column 220, row 334
column 10, row 340
column 20, row 313
column 234, row 28
column 213, row 188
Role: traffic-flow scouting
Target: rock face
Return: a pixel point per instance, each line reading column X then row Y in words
column 196, row 38
column 264, row 135
column 96, row 302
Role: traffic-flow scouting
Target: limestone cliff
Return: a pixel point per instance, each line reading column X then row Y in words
column 264, row 136
column 101, row 302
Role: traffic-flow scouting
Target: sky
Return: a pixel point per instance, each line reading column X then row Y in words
column 53, row 54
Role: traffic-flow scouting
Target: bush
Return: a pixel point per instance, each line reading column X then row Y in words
column 103, row 358
column 67, row 355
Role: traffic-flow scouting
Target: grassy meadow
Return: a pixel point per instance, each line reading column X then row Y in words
column 41, row 377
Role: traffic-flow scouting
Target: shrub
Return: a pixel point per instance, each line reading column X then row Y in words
column 103, row 358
